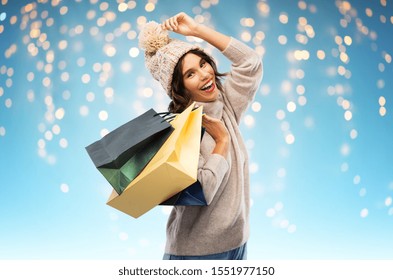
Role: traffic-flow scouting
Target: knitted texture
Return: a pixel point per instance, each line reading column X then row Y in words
column 162, row 53
column 224, row 224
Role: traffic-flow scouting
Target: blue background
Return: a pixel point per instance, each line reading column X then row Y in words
column 321, row 173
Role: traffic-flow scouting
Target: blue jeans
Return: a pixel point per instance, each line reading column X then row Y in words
column 239, row 253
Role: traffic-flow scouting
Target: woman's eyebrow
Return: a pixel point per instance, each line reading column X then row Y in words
column 192, row 68
column 188, row 71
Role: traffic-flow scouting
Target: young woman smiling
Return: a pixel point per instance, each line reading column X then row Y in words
column 188, row 74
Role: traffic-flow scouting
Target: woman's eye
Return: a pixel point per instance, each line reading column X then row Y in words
column 203, row 64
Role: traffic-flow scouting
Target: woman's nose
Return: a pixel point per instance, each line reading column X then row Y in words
column 204, row 75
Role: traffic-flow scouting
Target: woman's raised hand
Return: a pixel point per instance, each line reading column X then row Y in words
column 181, row 23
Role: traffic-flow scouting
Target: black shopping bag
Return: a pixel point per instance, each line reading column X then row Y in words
column 123, row 153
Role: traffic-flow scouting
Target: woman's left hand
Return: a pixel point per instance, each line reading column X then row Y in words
column 181, row 23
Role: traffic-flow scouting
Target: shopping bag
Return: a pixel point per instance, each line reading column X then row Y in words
column 191, row 196
column 122, row 154
column 172, row 169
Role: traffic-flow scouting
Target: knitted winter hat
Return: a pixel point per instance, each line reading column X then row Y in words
column 162, row 53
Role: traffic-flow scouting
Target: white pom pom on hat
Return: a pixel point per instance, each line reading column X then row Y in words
column 162, row 53
column 153, row 37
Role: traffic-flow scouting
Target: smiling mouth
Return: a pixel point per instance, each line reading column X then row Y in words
column 209, row 87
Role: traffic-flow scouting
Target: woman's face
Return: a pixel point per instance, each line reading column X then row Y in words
column 199, row 79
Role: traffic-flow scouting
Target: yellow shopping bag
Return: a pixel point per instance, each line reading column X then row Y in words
column 173, row 168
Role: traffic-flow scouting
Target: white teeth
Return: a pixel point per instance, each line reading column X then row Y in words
column 207, row 85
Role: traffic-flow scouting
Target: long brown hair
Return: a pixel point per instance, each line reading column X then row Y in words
column 181, row 98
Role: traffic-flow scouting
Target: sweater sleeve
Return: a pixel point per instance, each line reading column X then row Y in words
column 211, row 173
column 244, row 78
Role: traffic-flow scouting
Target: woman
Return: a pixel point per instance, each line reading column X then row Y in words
column 220, row 230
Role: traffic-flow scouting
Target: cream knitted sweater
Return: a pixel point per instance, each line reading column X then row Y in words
column 224, row 224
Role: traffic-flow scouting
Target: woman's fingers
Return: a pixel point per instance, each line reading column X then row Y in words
column 171, row 23
column 215, row 128
column 180, row 23
column 166, row 25
column 206, row 120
